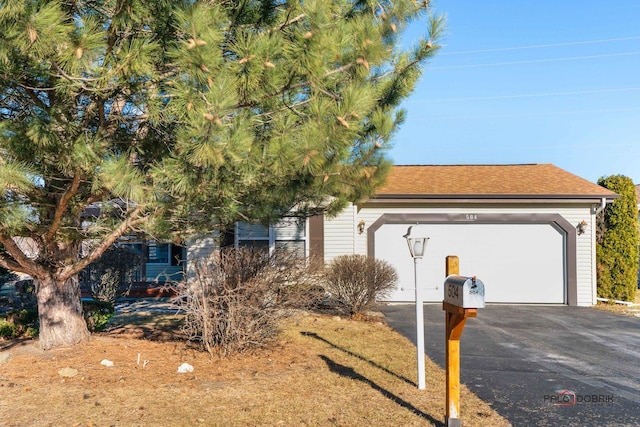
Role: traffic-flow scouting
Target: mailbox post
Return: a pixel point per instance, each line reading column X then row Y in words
column 462, row 298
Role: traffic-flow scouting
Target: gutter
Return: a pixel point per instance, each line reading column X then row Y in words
column 439, row 200
column 603, row 204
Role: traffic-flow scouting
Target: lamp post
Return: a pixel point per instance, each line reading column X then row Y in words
column 417, row 242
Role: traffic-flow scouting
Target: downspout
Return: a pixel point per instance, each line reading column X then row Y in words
column 596, row 211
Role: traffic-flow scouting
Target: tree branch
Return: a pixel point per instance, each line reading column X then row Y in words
column 288, row 86
column 22, row 263
column 289, row 22
column 101, row 121
column 88, row 111
column 30, row 91
column 76, row 80
column 126, row 224
column 44, row 89
column 326, row 92
column 62, row 206
column 411, row 64
column 10, row 264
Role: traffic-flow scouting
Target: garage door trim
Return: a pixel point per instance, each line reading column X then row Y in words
column 492, row 218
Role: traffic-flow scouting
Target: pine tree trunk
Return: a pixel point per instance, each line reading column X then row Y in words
column 60, row 313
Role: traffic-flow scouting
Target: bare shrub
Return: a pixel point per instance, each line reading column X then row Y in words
column 237, row 297
column 112, row 275
column 357, row 281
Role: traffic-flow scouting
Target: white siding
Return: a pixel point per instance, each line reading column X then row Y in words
column 159, row 273
column 199, row 249
column 339, row 233
column 585, row 255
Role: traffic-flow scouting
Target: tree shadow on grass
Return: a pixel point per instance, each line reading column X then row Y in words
column 348, row 372
column 357, row 356
column 9, row 343
column 147, row 325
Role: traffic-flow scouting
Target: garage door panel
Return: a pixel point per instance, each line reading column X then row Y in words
column 518, row 263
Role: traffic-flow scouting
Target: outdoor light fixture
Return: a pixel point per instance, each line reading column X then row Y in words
column 582, row 227
column 417, row 242
column 361, row 225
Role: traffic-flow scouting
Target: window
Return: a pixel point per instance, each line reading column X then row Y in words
column 157, row 253
column 288, row 234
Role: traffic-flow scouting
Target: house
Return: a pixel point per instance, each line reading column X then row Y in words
column 526, row 230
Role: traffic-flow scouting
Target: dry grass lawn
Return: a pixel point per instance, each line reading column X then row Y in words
column 627, row 310
column 323, row 371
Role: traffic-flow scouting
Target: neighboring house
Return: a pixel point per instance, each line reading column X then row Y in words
column 156, row 265
column 161, row 262
column 527, row 231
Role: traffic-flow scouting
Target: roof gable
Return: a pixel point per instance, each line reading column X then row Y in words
column 498, row 181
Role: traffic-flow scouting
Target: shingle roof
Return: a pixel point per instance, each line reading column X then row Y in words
column 502, row 181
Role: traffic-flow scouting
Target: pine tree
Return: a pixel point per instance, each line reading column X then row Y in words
column 617, row 242
column 173, row 117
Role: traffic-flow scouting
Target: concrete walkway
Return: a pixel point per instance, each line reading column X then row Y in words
column 542, row 365
column 155, row 305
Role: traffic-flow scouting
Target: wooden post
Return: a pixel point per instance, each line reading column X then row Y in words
column 452, row 265
column 455, row 319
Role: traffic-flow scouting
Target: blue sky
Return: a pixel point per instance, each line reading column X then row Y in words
column 530, row 82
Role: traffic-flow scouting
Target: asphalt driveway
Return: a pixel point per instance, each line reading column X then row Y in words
column 542, row 365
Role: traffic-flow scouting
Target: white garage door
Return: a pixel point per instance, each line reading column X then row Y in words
column 518, row 263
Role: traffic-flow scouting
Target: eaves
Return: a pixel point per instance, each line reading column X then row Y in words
column 490, row 199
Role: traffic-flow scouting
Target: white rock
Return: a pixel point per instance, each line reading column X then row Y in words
column 68, row 372
column 107, row 363
column 184, row 368
column 4, row 358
